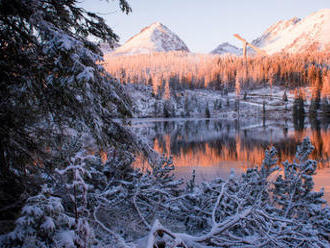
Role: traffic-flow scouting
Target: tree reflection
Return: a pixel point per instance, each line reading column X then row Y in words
column 207, row 143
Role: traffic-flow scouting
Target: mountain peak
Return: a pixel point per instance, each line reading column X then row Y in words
column 226, row 48
column 153, row 26
column 297, row 35
column 322, row 11
column 156, row 24
column 153, row 38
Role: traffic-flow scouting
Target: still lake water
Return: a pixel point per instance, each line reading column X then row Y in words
column 214, row 147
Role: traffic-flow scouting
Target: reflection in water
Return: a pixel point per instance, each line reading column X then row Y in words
column 214, row 147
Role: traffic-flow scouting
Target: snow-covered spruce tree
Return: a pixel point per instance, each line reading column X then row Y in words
column 51, row 74
column 293, row 192
column 43, row 223
column 73, row 177
column 241, row 212
column 70, row 189
column 142, row 196
column 52, row 84
column 197, row 203
column 94, row 197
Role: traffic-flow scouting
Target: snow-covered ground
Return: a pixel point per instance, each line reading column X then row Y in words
column 194, row 103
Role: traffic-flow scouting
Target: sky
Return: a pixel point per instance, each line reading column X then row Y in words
column 203, row 24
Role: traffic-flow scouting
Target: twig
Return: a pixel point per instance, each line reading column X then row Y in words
column 217, row 203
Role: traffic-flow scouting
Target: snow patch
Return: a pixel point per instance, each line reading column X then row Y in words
column 66, row 238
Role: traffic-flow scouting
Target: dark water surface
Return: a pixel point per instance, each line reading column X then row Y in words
column 214, row 147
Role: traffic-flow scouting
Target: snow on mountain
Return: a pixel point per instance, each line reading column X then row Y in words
column 154, row 38
column 226, row 48
column 297, row 35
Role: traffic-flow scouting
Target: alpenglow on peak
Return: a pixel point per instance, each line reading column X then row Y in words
column 154, row 38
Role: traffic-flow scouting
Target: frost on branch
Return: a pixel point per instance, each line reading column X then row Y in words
column 294, row 194
column 142, row 196
column 116, row 205
column 43, row 223
column 75, row 177
column 252, row 210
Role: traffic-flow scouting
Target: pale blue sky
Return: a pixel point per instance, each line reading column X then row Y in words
column 203, row 24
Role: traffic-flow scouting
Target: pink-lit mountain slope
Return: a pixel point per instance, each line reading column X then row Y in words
column 154, row 38
column 311, row 33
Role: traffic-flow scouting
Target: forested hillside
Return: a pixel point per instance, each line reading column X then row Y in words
column 175, row 82
column 184, row 70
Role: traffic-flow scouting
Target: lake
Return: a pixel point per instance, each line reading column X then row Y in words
column 214, row 147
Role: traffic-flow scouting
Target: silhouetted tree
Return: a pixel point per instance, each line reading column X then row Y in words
column 207, row 111
column 285, row 97
column 325, row 108
column 298, row 112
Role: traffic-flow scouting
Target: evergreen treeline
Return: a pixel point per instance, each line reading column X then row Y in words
column 219, row 72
